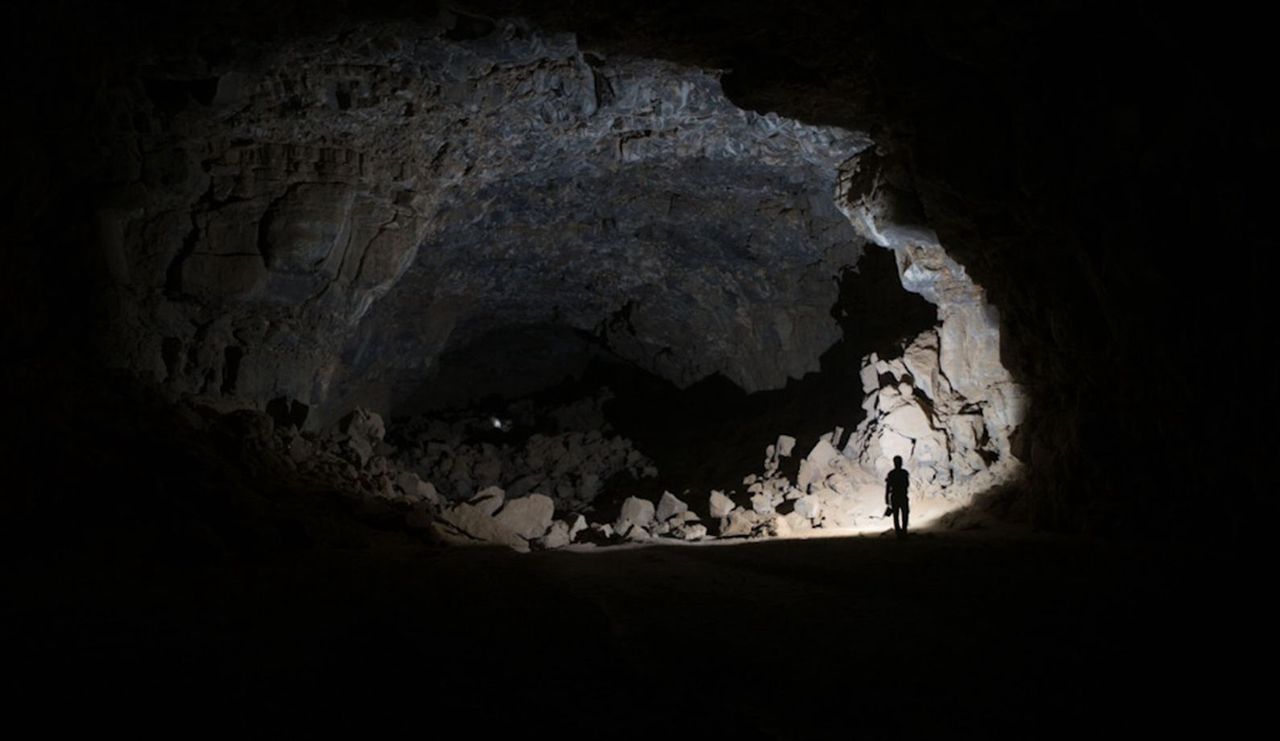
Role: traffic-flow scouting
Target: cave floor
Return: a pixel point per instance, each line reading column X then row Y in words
column 964, row 633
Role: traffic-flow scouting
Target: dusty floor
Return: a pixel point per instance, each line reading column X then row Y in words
column 967, row 634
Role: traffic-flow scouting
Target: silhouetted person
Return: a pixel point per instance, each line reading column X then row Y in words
column 895, row 495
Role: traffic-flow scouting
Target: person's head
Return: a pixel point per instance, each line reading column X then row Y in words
column 897, row 461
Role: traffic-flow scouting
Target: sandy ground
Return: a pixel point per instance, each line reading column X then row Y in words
column 972, row 633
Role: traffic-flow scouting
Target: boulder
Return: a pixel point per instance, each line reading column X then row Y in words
column 721, row 505
column 786, row 445
column 868, row 376
column 529, row 517
column 809, row 507
column 557, row 536
column 635, row 511
column 738, row 524
column 669, row 506
column 466, row 523
column 762, row 503
column 798, row 524
column 364, row 424
column 488, row 500
column 693, row 532
column 921, row 359
column 822, row 454
column 909, row 420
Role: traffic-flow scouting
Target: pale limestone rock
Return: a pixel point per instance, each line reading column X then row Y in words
column 785, row 446
column 529, row 517
column 806, row 475
column 578, row 525
column 822, row 454
column 635, row 512
column 557, row 536
column 798, row 524
column 970, row 350
column 669, row 506
column 909, row 420
column 721, row 505
column 466, row 523
column 694, row 531
column 870, row 380
column 488, row 500
column 738, row 523
column 921, row 360
column 809, row 507
column 762, row 504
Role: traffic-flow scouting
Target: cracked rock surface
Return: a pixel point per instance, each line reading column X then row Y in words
column 321, row 220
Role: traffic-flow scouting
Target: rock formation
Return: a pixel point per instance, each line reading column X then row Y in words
column 338, row 212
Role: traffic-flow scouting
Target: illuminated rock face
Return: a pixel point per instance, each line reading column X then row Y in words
column 948, row 405
column 345, row 210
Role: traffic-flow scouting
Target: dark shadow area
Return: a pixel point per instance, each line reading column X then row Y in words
column 711, row 434
column 163, row 572
column 1071, row 154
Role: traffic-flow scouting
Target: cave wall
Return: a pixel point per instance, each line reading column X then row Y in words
column 1098, row 168
column 322, row 219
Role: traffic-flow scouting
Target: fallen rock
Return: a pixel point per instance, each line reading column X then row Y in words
column 738, row 524
column 809, row 507
column 721, row 505
column 635, row 512
column 822, row 454
column 529, row 517
column 488, row 500
column 693, row 532
column 798, row 524
column 762, row 503
column 669, row 506
column 909, row 420
column 557, row 536
column 467, row 524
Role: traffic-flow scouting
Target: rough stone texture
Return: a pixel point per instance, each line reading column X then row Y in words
column 721, row 505
column 669, row 506
column 488, row 501
column 466, row 524
column 739, row 523
column 1059, row 190
column 966, row 350
column 557, row 536
column 344, row 210
column 952, row 444
column 568, row 463
column 529, row 517
column 808, row 507
column 636, row 514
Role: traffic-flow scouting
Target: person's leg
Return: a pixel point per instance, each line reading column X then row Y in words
column 906, row 515
column 897, row 520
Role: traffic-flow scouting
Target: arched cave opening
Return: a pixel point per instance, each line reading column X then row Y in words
column 527, row 290
column 239, row 231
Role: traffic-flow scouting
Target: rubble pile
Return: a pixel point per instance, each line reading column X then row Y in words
column 527, row 478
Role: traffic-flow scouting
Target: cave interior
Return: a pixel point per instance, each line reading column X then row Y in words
column 510, row 366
